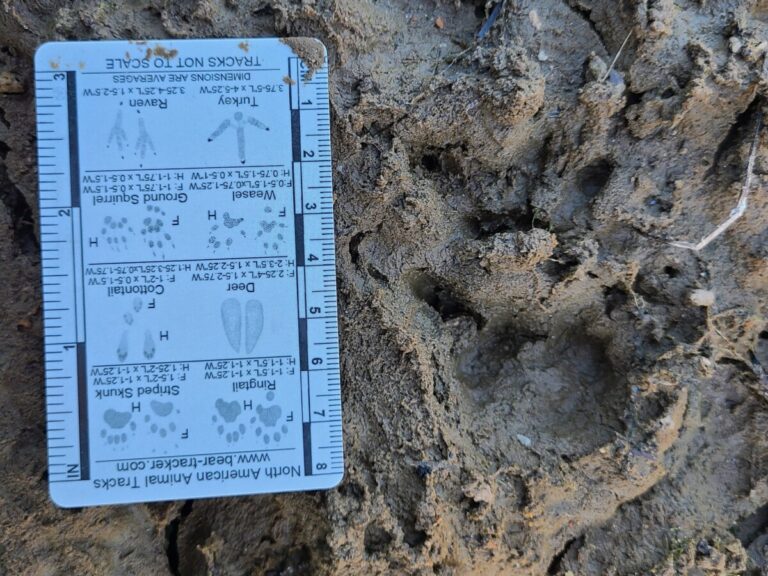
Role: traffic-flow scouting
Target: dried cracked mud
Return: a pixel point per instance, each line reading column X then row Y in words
column 528, row 387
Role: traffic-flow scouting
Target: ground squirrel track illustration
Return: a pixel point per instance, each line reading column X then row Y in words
column 154, row 231
column 116, row 232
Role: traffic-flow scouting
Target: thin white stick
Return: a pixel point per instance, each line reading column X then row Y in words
column 741, row 205
column 615, row 58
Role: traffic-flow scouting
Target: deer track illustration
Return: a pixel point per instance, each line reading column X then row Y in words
column 232, row 320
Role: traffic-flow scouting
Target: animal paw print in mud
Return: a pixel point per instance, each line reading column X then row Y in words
column 226, row 420
column 267, row 421
column 155, row 233
column 271, row 232
column 225, row 234
column 119, row 426
column 129, row 318
column 115, row 232
column 159, row 421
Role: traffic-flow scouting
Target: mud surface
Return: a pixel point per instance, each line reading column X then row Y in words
column 528, row 386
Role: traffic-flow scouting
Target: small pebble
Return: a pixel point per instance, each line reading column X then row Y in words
column 703, row 548
column 615, row 78
column 10, row 83
column 439, row 23
column 543, row 56
column 596, row 67
column 535, row 20
column 701, row 297
column 524, row 440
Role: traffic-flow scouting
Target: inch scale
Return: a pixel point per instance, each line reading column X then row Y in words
column 63, row 306
column 191, row 413
column 316, row 270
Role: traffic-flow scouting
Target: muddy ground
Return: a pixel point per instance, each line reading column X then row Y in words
column 528, row 387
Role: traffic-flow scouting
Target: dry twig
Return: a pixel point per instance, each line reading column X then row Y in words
column 741, row 205
column 616, row 58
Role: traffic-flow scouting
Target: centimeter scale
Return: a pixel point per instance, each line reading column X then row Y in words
column 186, row 214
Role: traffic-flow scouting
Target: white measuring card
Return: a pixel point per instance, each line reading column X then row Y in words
column 186, row 218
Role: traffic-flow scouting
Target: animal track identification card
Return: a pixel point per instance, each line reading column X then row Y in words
column 189, row 284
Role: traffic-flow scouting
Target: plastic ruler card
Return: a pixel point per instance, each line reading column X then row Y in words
column 186, row 209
